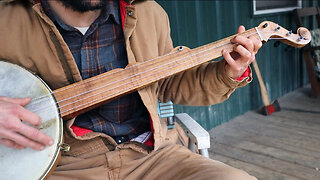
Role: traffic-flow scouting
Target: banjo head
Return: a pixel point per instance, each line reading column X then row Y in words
column 17, row 82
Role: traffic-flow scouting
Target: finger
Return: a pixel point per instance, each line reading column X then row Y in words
column 246, row 42
column 228, row 58
column 28, row 116
column 21, row 140
column 20, row 101
column 256, row 43
column 243, row 52
column 241, row 29
column 34, row 134
column 30, row 133
column 11, row 144
column 14, row 106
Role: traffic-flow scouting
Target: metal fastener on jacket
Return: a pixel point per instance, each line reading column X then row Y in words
column 130, row 13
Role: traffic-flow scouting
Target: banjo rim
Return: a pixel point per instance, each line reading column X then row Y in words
column 57, row 155
column 55, row 149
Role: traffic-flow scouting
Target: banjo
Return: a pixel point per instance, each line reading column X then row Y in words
column 74, row 99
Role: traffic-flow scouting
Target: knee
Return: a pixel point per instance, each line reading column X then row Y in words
column 233, row 173
column 225, row 172
column 215, row 170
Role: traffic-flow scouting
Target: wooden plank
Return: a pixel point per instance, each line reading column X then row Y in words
column 296, row 127
column 274, row 152
column 259, row 172
column 266, row 162
column 313, row 124
column 300, row 100
column 286, row 145
column 272, row 131
column 312, row 118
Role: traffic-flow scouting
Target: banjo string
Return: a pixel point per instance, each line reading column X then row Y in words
column 111, row 73
column 43, row 98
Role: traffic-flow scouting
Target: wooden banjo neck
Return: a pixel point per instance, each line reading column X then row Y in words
column 82, row 96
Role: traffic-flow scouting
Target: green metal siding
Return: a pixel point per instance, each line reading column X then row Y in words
column 198, row 22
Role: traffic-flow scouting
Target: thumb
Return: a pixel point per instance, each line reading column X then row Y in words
column 20, row 101
column 241, row 29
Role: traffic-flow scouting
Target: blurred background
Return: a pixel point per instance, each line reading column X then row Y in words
column 198, row 22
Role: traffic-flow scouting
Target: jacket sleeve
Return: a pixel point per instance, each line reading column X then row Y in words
column 206, row 84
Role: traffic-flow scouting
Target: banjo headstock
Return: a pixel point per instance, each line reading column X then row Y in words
column 268, row 30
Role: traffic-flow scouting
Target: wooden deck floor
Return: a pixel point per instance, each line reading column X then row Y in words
column 281, row 146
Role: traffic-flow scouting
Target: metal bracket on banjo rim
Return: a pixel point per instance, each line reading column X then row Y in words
column 64, row 147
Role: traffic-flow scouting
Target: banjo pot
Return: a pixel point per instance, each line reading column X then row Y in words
column 17, row 82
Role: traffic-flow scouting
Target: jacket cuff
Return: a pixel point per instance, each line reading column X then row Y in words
column 232, row 83
column 245, row 74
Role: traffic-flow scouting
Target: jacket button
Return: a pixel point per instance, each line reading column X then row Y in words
column 130, row 13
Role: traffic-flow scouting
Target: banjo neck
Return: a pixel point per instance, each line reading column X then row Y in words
column 82, row 96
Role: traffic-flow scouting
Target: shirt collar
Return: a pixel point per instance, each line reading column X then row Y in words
column 111, row 10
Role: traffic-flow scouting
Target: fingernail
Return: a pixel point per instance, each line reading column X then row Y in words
column 41, row 148
column 50, row 142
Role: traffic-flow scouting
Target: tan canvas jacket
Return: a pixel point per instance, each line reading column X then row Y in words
column 30, row 39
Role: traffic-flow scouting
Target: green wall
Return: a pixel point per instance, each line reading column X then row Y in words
column 198, row 22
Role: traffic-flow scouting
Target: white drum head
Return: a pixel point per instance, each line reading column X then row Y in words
column 28, row 163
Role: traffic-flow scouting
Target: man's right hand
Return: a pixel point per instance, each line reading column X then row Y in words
column 16, row 134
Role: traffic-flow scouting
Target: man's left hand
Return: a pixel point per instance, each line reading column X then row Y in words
column 243, row 54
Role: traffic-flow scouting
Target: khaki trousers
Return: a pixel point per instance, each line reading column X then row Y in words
column 97, row 159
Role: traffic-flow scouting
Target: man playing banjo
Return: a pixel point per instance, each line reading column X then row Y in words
column 66, row 41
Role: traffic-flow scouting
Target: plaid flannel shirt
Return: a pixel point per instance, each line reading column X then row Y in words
column 101, row 49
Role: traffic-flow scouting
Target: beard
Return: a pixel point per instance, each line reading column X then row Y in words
column 83, row 5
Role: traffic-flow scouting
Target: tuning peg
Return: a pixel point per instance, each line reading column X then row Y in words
column 289, row 33
column 277, row 29
column 265, row 25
